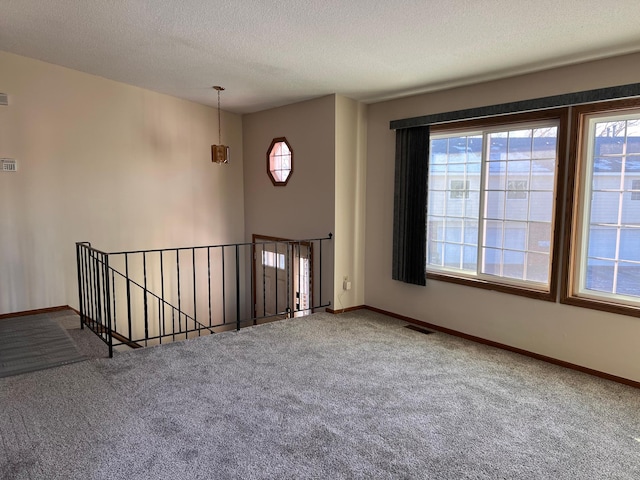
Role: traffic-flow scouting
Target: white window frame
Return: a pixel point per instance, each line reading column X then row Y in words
column 582, row 211
column 477, row 278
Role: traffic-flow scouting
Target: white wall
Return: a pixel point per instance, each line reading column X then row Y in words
column 304, row 208
column 101, row 161
column 350, row 181
column 597, row 340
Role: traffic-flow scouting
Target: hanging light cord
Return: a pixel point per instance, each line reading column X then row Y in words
column 219, row 124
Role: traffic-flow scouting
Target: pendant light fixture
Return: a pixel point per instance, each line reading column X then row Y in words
column 219, row 153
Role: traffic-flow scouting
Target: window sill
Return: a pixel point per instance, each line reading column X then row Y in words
column 498, row 287
column 602, row 305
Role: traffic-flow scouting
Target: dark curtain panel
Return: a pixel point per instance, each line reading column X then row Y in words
column 410, row 205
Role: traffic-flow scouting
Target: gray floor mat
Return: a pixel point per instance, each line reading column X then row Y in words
column 34, row 343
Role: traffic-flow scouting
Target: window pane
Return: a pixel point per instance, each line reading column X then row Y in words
column 606, row 174
column 630, row 209
column 633, row 164
column 517, row 205
column 519, row 144
column 544, row 142
column 498, row 146
column 604, row 207
column 470, row 258
column 436, row 203
column 633, row 136
column 497, row 176
column 541, row 206
column 630, row 244
column 455, row 207
column 453, row 230
column 628, row 279
column 494, row 206
column 543, row 175
column 434, row 253
column 517, row 161
column 471, row 232
column 437, row 181
column 493, row 234
column 513, row 266
column 518, row 170
column 515, row 235
column 492, row 261
column 609, row 137
column 452, row 255
column 537, row 267
column 438, row 148
column 435, row 228
column 458, row 198
column 607, row 164
column 539, row 237
column 599, row 275
column 602, row 242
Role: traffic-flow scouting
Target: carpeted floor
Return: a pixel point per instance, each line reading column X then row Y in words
column 33, row 343
column 345, row 396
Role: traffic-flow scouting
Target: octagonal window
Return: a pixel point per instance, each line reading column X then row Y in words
column 280, row 161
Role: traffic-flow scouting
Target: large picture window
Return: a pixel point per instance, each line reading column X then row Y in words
column 507, row 190
column 491, row 205
column 605, row 256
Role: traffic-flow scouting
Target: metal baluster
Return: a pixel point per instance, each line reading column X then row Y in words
column 164, row 327
column 309, row 276
column 161, row 333
column 91, row 289
column 276, row 264
column 252, row 283
column 298, row 261
column 320, row 272
column 209, row 279
column 80, row 303
column 146, row 307
column 195, row 306
column 288, row 267
column 224, row 294
column 107, row 304
column 126, row 270
column 237, row 288
column 264, row 282
column 173, row 322
column 98, row 298
column 179, row 303
column 113, row 293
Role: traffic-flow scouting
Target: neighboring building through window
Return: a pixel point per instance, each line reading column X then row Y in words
column 491, row 203
column 606, row 255
column 459, row 189
column 635, row 189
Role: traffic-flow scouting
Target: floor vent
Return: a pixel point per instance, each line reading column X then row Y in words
column 418, row 329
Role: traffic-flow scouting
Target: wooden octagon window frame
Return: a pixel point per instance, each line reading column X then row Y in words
column 274, row 142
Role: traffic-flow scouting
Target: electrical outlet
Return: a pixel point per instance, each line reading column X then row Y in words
column 346, row 285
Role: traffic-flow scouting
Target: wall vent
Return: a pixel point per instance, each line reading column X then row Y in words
column 8, row 165
column 4, row 99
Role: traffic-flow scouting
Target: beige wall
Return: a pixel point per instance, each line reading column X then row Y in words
column 350, row 181
column 597, row 340
column 304, row 208
column 122, row 167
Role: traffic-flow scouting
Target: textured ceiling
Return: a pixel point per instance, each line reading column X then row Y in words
column 270, row 53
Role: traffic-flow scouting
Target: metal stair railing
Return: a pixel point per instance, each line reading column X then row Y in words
column 148, row 297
